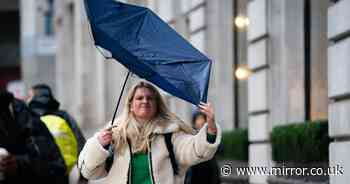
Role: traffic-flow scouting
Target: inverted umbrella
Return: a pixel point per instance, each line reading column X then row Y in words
column 149, row 48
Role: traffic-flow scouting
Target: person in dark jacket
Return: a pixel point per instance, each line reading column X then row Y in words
column 205, row 172
column 42, row 102
column 33, row 157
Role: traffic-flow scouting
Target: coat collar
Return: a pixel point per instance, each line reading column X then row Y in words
column 164, row 126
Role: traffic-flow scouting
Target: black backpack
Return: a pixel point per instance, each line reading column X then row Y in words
column 169, row 145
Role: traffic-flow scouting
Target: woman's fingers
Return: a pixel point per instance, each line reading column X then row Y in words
column 105, row 137
column 205, row 105
column 206, row 108
column 107, row 133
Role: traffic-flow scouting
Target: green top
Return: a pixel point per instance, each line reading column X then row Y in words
column 140, row 169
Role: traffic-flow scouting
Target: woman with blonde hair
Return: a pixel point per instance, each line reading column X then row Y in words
column 142, row 154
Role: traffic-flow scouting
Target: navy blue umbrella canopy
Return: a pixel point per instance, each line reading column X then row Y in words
column 149, row 48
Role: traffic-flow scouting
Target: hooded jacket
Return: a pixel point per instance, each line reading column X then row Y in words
column 43, row 103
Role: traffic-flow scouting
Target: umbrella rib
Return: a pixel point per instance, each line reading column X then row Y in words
column 187, row 76
column 139, row 30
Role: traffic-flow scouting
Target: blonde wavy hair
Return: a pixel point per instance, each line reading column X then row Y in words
column 140, row 135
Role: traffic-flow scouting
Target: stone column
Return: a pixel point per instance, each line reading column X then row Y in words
column 78, row 20
column 258, row 109
column 37, row 49
column 219, row 47
column 286, row 61
column 28, row 28
column 339, row 89
column 65, row 54
column 276, row 93
column 89, row 79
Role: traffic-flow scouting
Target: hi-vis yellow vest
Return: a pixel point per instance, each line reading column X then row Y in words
column 64, row 138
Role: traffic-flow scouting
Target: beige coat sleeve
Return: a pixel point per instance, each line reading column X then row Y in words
column 193, row 149
column 92, row 159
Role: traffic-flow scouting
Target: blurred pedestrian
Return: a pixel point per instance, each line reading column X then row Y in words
column 28, row 152
column 42, row 102
column 151, row 145
column 206, row 172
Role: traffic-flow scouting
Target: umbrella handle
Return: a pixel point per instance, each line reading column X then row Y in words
column 120, row 96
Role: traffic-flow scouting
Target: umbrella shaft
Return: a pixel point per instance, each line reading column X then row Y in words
column 120, row 96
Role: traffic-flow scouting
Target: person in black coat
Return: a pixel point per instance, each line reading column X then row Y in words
column 42, row 102
column 33, row 157
column 205, row 172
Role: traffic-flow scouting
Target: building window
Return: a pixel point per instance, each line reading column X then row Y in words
column 48, row 18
